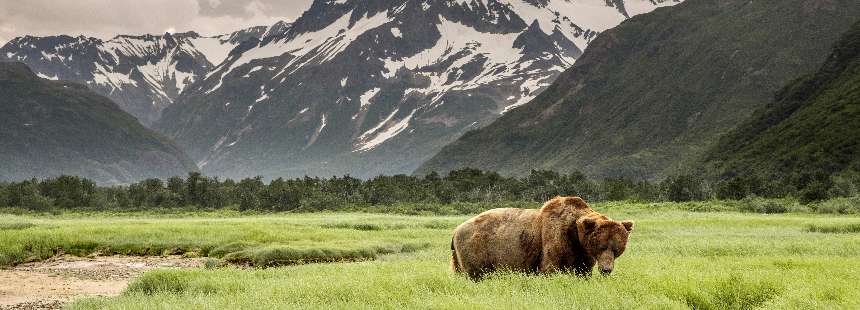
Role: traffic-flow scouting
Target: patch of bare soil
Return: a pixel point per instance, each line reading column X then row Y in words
column 53, row 283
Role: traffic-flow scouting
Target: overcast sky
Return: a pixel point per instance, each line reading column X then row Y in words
column 107, row 18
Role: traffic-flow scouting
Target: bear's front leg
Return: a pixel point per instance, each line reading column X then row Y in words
column 582, row 266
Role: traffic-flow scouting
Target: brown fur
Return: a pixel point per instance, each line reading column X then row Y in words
column 564, row 235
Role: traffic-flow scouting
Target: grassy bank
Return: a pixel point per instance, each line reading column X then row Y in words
column 248, row 240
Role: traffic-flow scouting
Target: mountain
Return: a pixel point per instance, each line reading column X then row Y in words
column 143, row 74
column 650, row 96
column 48, row 128
column 367, row 87
column 809, row 133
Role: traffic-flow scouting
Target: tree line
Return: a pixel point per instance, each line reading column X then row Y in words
column 197, row 191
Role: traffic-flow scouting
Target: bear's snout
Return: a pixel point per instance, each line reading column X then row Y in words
column 606, row 262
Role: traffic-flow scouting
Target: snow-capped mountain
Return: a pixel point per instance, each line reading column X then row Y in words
column 366, row 87
column 143, row 74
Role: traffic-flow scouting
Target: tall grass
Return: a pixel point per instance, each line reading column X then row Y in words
column 423, row 281
column 835, row 229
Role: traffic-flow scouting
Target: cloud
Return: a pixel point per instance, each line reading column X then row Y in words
column 107, row 18
column 240, row 8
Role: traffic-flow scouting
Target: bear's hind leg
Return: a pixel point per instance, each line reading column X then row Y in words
column 455, row 263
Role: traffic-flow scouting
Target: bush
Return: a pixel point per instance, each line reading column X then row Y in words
column 741, row 186
column 767, row 206
column 321, row 202
column 273, row 256
column 232, row 247
column 835, row 229
column 15, row 226
column 69, row 192
column 358, row 226
column 159, row 282
column 813, row 192
column 845, row 185
column 213, row 263
column 26, row 195
column 839, row 206
column 683, row 188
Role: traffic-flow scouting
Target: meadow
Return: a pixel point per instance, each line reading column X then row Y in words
column 680, row 256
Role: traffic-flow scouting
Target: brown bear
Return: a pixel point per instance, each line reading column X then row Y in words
column 564, row 235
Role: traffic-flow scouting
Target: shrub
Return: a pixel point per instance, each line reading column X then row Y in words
column 212, row 263
column 15, row 226
column 740, row 187
column 767, row 206
column 813, row 192
column 835, row 229
column 839, row 206
column 232, row 247
column 158, row 281
column 273, row 256
column 321, row 202
column 357, row 226
column 845, row 185
column 683, row 188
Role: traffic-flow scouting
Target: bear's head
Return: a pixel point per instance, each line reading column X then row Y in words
column 603, row 239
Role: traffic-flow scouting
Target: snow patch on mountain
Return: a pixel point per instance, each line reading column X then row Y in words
column 367, row 96
column 212, row 48
column 529, row 90
column 47, row 77
column 371, row 139
column 456, row 40
column 396, row 32
column 106, row 77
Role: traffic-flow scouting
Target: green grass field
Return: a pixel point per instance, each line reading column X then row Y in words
column 676, row 259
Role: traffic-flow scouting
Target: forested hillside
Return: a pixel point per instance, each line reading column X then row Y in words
column 49, row 128
column 809, row 137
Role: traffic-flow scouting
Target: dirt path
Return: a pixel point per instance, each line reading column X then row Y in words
column 53, row 283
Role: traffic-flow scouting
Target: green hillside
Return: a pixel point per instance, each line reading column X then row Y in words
column 809, row 133
column 650, row 96
column 49, row 128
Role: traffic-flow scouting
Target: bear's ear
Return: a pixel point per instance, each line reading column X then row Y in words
column 628, row 225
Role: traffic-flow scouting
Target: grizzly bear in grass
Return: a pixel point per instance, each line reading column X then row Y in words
column 564, row 235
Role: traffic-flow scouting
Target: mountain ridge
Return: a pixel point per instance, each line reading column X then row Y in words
column 49, row 128
column 141, row 73
column 376, row 87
